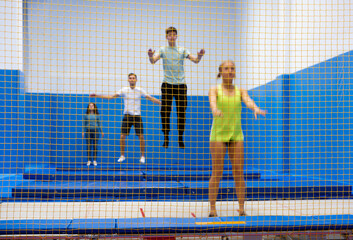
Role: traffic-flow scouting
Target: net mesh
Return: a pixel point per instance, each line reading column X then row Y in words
column 293, row 58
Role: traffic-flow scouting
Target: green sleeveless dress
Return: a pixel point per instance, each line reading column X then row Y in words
column 228, row 127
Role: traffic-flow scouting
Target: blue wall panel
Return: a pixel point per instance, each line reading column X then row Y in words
column 9, row 80
column 307, row 130
column 50, row 130
column 264, row 136
column 320, row 120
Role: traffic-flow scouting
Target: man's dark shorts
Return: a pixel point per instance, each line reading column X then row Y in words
column 129, row 121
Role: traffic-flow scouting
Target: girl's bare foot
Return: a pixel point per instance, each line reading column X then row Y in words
column 242, row 213
column 213, row 214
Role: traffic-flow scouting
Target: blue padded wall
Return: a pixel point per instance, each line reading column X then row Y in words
column 69, row 147
column 9, row 85
column 306, row 132
column 321, row 118
column 48, row 129
column 35, row 121
column 264, row 137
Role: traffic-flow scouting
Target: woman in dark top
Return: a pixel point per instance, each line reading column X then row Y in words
column 92, row 129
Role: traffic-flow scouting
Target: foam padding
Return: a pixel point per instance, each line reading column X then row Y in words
column 96, row 189
column 192, row 175
column 91, row 226
column 287, row 188
column 85, row 175
column 121, row 166
column 43, row 172
column 8, row 181
column 178, row 225
column 33, row 226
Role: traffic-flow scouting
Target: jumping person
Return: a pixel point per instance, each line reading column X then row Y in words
column 174, row 82
column 132, row 113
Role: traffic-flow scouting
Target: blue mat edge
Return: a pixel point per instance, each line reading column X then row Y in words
column 178, row 225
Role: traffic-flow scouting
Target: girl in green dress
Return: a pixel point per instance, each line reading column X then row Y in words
column 226, row 133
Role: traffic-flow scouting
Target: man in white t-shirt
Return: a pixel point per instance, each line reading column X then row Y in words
column 132, row 113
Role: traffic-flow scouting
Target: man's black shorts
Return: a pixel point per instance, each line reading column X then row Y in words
column 129, row 121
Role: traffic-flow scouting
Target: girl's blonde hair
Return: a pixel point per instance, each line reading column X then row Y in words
column 219, row 75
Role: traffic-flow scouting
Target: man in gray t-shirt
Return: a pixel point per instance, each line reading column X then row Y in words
column 174, row 82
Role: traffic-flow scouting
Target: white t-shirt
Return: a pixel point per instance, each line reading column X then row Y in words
column 132, row 99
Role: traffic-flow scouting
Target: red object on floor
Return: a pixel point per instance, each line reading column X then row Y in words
column 142, row 213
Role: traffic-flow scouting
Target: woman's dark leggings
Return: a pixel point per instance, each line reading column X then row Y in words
column 92, row 136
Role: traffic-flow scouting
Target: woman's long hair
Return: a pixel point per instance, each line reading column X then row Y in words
column 95, row 110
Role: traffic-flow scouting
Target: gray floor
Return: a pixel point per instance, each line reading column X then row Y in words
column 69, row 210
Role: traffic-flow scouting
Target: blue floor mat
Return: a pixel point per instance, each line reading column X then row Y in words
column 178, row 225
column 97, row 175
column 83, row 189
column 189, row 175
column 286, row 188
column 8, row 181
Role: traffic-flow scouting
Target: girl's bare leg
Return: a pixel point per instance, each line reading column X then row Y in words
column 236, row 156
column 218, row 151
